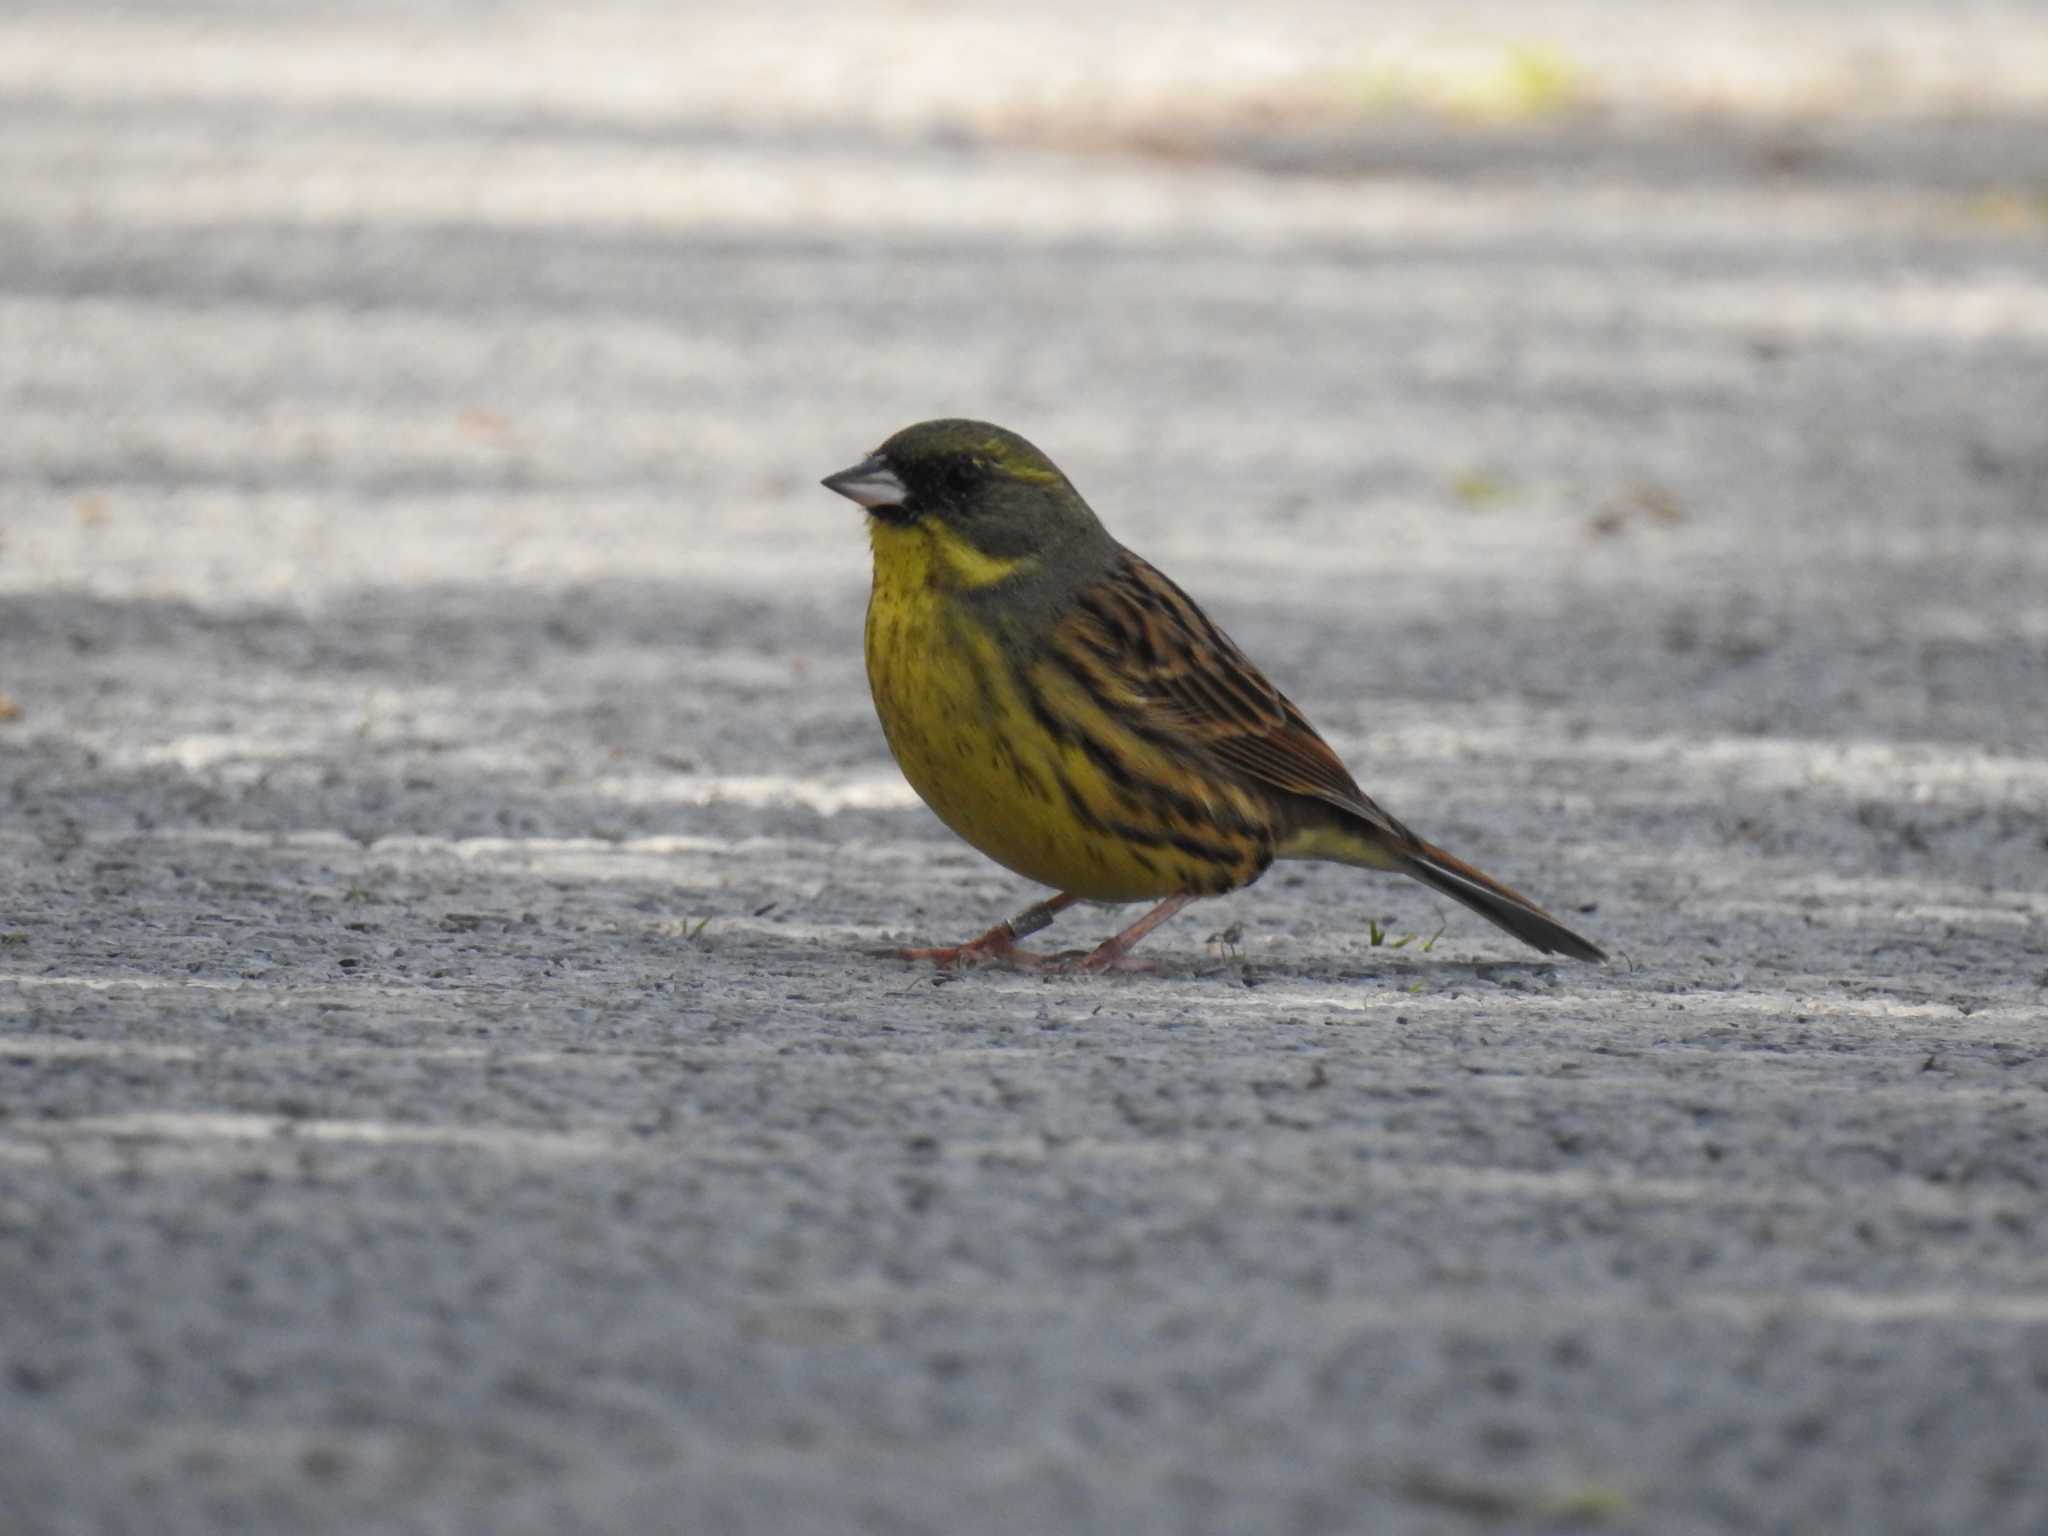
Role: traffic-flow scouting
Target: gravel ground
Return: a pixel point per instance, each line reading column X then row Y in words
column 444, row 1084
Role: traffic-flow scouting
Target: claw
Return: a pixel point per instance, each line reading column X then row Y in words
column 999, row 945
column 995, row 947
column 1108, row 956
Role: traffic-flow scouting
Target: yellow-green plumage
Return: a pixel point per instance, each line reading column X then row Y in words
column 1073, row 714
column 964, row 721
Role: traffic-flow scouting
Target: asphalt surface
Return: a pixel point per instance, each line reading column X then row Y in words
column 445, row 1083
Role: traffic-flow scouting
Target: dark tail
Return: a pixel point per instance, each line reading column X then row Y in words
column 1495, row 902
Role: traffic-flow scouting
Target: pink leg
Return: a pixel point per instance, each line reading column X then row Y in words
column 999, row 945
column 1109, row 954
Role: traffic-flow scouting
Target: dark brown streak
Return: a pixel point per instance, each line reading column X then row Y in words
column 1122, row 611
column 1196, row 735
column 1059, row 730
column 1025, row 776
column 991, row 708
column 1090, row 822
column 1218, row 854
column 1113, row 767
column 984, row 685
column 1128, row 712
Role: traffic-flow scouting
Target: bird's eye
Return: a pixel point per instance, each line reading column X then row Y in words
column 962, row 476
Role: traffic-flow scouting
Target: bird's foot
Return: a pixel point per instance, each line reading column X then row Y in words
column 1106, row 956
column 1113, row 953
column 996, row 947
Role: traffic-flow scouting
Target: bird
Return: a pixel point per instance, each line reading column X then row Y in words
column 1069, row 711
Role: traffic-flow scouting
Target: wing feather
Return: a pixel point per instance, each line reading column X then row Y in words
column 1171, row 676
column 1180, row 681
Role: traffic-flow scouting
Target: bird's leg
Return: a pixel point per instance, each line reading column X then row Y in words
column 1109, row 954
column 999, row 945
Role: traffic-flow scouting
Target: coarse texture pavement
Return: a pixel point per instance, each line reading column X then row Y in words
column 444, row 1085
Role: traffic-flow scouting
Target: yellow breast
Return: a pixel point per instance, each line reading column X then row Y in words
column 1013, row 758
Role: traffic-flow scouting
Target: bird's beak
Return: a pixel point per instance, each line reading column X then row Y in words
column 870, row 482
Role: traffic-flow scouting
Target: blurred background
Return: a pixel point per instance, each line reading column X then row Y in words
column 479, row 361
column 1682, row 323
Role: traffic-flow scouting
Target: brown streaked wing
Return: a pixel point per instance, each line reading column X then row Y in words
column 1179, row 680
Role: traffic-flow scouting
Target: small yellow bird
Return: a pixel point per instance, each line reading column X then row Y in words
column 1071, row 713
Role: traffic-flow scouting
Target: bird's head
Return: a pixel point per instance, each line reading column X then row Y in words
column 971, row 485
